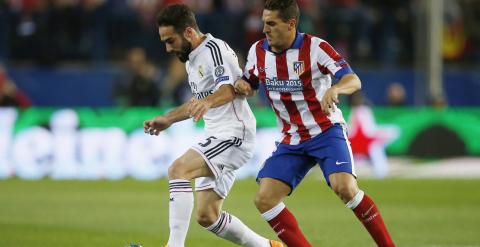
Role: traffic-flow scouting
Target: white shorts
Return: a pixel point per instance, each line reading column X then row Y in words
column 223, row 155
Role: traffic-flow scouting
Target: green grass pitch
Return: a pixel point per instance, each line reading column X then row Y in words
column 116, row 213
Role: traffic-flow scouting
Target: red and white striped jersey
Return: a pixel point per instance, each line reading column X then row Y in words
column 295, row 82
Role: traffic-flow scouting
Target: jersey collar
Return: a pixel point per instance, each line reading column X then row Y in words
column 297, row 43
column 197, row 50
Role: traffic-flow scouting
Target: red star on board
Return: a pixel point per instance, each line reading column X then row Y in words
column 364, row 132
column 359, row 141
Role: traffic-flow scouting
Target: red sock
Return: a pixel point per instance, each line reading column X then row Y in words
column 367, row 212
column 287, row 229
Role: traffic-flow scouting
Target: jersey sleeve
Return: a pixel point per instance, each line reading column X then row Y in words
column 224, row 62
column 330, row 61
column 250, row 74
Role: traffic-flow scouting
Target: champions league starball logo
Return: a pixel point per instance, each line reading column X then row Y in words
column 219, row 71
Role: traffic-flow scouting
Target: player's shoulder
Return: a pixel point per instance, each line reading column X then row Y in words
column 258, row 42
column 216, row 43
column 218, row 50
column 321, row 46
column 254, row 46
column 315, row 40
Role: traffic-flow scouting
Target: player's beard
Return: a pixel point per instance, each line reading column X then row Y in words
column 185, row 50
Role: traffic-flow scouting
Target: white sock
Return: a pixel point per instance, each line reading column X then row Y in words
column 273, row 212
column 352, row 204
column 232, row 229
column 181, row 206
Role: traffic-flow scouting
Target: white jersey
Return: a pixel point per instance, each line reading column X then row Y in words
column 212, row 64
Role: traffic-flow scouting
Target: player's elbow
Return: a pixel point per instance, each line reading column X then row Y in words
column 357, row 84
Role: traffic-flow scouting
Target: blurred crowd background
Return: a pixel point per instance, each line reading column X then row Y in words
column 107, row 52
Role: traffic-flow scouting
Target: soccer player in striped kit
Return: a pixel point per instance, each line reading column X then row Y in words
column 295, row 69
column 212, row 69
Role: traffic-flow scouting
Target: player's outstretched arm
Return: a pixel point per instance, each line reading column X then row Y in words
column 242, row 87
column 223, row 95
column 348, row 84
column 157, row 124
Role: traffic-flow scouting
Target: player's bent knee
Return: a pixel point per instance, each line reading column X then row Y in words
column 345, row 191
column 206, row 220
column 176, row 170
column 264, row 203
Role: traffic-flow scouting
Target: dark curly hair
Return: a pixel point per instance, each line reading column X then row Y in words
column 179, row 16
column 288, row 9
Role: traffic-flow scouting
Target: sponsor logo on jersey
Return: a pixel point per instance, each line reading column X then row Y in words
column 274, row 84
column 299, row 67
column 202, row 95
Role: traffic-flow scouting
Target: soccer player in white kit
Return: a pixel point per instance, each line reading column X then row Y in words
column 212, row 69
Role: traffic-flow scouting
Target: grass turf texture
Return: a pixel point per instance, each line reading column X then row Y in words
column 117, row 213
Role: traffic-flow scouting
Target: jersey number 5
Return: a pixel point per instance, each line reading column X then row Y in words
column 209, row 140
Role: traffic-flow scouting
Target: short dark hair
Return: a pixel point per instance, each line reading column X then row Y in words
column 288, row 9
column 179, row 16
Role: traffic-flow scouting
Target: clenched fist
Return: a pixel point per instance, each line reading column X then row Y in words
column 243, row 88
column 156, row 125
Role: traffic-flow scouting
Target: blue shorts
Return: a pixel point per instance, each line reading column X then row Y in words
column 290, row 163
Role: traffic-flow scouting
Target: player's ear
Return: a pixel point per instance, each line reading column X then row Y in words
column 189, row 33
column 292, row 24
